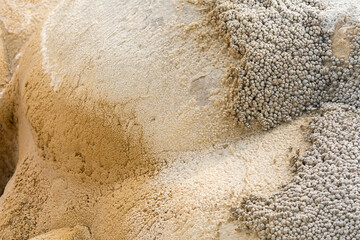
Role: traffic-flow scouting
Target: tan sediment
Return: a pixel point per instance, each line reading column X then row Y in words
column 75, row 233
column 340, row 41
column 120, row 160
column 4, row 67
column 8, row 133
column 19, row 19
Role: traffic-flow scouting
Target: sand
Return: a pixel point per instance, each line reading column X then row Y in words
column 120, row 131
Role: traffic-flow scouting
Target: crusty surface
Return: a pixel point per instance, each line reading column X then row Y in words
column 147, row 154
column 122, row 124
column 75, row 233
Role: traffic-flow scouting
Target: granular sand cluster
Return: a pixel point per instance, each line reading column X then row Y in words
column 294, row 62
column 288, row 66
column 322, row 201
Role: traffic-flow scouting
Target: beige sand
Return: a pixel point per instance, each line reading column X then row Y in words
column 75, row 233
column 123, row 128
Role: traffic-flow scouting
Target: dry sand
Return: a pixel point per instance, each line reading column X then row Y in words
column 122, row 128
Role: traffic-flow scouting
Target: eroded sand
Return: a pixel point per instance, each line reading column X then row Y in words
column 122, row 128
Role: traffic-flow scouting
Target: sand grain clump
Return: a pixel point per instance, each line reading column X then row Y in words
column 322, row 201
column 293, row 62
column 288, row 66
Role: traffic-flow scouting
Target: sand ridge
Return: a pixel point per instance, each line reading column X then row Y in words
column 128, row 137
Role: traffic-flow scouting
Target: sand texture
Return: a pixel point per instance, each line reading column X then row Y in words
column 117, row 121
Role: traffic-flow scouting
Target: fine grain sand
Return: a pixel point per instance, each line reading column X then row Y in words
column 115, row 116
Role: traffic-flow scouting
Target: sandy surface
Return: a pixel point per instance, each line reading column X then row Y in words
column 75, row 233
column 122, row 128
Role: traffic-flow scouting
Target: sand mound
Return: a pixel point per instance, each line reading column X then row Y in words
column 118, row 116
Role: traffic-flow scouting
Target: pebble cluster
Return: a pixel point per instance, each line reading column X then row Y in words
column 288, row 66
column 322, row 201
